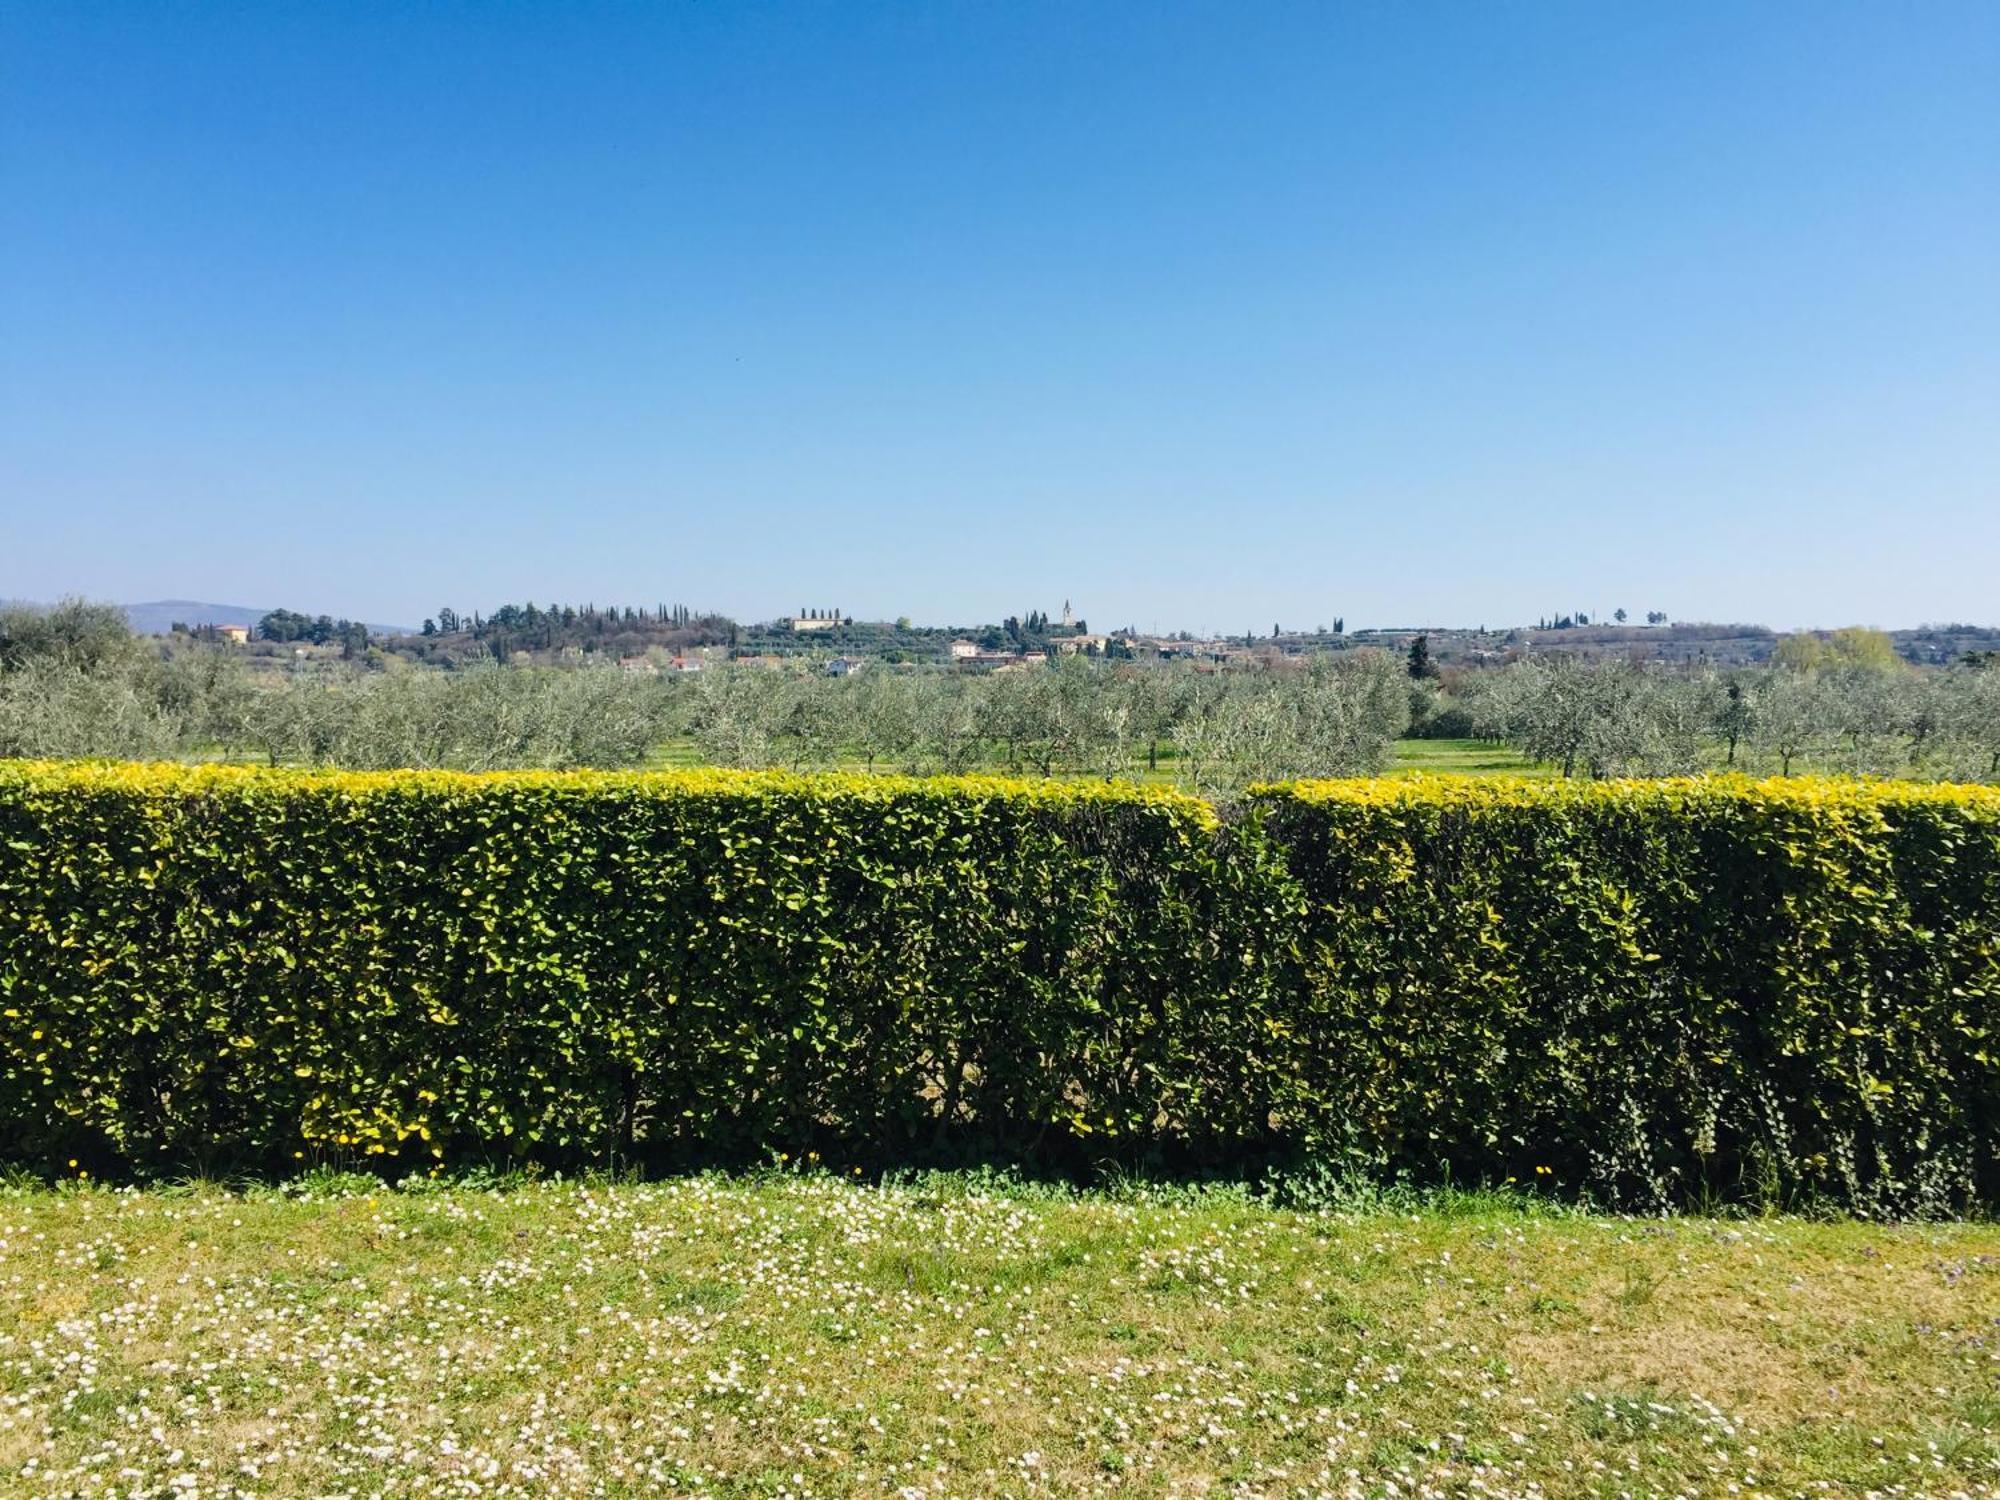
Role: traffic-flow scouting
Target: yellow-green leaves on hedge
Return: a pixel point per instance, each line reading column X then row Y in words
column 1648, row 990
column 224, row 963
column 1780, row 990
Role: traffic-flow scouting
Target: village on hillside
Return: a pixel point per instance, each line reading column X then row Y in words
column 675, row 639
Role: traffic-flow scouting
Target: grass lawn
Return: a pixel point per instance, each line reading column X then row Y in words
column 1453, row 757
column 1462, row 758
column 805, row 1335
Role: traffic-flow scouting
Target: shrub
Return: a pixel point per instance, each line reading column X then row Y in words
column 1646, row 992
column 1780, row 990
column 226, row 963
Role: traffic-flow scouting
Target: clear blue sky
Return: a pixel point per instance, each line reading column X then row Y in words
column 1198, row 315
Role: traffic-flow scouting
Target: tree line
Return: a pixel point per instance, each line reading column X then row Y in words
column 288, row 625
column 75, row 681
column 1827, row 714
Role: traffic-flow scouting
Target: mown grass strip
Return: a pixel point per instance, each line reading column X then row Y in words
column 809, row 1335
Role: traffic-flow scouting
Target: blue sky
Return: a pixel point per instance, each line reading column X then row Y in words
column 1198, row 315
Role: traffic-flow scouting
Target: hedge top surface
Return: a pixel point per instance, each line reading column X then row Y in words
column 171, row 778
column 1475, row 792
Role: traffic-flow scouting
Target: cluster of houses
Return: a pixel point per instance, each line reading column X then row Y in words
column 970, row 656
column 646, row 666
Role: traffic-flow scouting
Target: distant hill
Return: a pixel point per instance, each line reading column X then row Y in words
column 157, row 616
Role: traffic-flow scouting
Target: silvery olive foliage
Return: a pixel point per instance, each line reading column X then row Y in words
column 109, row 695
column 74, row 682
column 1597, row 719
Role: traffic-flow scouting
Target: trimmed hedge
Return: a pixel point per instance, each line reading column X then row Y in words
column 222, row 962
column 1778, row 991
column 1782, row 991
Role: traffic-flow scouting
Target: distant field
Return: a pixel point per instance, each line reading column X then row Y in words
column 809, row 1336
column 1462, row 758
column 1436, row 757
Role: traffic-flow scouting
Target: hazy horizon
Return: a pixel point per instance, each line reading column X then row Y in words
column 414, row 622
